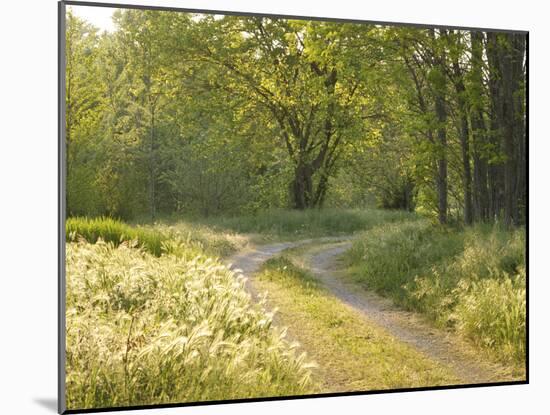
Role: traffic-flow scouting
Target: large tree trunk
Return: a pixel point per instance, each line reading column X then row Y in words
column 303, row 193
column 302, row 186
column 508, row 113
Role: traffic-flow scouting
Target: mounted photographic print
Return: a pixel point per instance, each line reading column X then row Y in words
column 258, row 207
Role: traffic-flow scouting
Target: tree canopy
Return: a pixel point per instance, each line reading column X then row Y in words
column 178, row 113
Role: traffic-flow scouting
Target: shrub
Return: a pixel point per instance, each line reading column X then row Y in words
column 391, row 255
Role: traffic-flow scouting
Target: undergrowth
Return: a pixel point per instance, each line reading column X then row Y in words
column 311, row 223
column 472, row 281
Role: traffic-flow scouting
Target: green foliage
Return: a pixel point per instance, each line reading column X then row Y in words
column 452, row 277
column 173, row 114
column 146, row 330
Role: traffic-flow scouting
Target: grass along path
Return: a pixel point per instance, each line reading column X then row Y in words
column 351, row 352
column 409, row 327
column 359, row 340
column 355, row 349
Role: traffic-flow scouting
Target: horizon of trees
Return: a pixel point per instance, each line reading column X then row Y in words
column 175, row 113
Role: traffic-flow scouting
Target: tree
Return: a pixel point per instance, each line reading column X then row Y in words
column 201, row 114
column 83, row 106
column 297, row 73
column 477, row 102
column 506, row 56
column 457, row 75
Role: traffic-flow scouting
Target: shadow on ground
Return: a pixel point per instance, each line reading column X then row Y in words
column 48, row 403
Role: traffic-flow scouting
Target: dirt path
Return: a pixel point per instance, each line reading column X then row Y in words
column 250, row 260
column 408, row 327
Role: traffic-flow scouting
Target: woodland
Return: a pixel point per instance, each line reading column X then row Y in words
column 180, row 114
column 262, row 206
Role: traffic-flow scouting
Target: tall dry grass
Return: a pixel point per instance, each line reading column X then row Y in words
column 143, row 329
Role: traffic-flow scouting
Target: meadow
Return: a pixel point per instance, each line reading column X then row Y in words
column 154, row 315
column 196, row 142
column 178, row 327
column 288, row 225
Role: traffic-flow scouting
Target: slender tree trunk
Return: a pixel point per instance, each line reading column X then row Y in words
column 496, row 169
column 520, row 124
column 408, row 195
column 441, row 113
column 479, row 133
column 152, row 168
column 481, row 191
column 442, row 160
column 464, row 141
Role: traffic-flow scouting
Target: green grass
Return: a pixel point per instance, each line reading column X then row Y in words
column 471, row 280
column 179, row 239
column 293, row 224
column 351, row 353
column 115, row 231
column 148, row 330
column 153, row 317
column 389, row 256
column 221, row 236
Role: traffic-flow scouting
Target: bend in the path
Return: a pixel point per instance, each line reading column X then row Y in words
column 250, row 260
column 406, row 326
